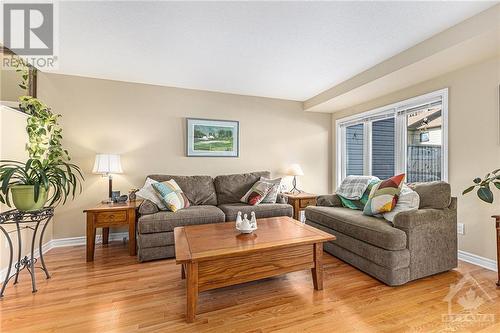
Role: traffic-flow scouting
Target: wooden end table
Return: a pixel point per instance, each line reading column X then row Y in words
column 217, row 255
column 300, row 201
column 497, row 220
column 106, row 215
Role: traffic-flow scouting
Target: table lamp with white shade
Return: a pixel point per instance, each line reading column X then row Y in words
column 107, row 165
column 295, row 170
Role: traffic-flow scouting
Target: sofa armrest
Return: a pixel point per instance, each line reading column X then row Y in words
column 329, row 200
column 147, row 207
column 421, row 217
column 431, row 239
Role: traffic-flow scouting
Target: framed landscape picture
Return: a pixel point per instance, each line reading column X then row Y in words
column 213, row 138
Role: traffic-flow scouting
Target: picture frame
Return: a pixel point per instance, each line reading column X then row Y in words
column 212, row 137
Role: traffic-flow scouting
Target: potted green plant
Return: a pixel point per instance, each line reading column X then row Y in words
column 47, row 176
column 483, row 186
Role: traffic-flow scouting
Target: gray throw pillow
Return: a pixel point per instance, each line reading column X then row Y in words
column 273, row 193
column 147, row 207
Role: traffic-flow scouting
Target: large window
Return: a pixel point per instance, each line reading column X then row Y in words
column 406, row 137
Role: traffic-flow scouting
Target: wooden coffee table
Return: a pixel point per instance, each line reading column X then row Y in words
column 217, row 255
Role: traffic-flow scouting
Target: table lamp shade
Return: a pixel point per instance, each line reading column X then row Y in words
column 107, row 164
column 295, row 170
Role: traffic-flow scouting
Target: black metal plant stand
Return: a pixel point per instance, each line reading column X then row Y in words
column 25, row 220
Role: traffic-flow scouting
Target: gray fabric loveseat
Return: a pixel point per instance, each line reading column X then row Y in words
column 213, row 200
column 419, row 243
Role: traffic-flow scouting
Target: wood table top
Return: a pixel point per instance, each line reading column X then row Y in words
column 301, row 195
column 114, row 206
column 208, row 241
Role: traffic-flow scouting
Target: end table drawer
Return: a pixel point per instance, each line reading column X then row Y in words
column 307, row 202
column 120, row 216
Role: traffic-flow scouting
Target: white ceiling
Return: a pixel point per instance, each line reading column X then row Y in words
column 290, row 50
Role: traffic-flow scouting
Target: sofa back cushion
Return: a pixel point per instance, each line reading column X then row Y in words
column 199, row 190
column 231, row 188
column 433, row 194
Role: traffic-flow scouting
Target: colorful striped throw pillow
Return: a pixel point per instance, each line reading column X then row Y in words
column 171, row 195
column 384, row 195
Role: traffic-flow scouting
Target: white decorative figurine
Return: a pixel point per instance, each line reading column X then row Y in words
column 244, row 225
column 253, row 220
column 238, row 220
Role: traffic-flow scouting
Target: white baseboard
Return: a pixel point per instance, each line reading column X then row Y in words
column 82, row 240
column 63, row 242
column 477, row 260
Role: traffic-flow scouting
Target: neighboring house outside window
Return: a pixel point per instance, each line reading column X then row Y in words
column 406, row 137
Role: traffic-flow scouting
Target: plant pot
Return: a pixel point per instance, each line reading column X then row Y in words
column 23, row 197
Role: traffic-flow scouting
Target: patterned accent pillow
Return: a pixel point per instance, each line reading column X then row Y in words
column 147, row 192
column 358, row 204
column 257, row 193
column 408, row 200
column 171, row 195
column 384, row 195
column 273, row 193
column 353, row 187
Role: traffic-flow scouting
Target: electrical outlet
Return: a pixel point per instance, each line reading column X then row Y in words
column 461, row 229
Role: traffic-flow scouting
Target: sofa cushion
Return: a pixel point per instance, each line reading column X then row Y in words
column 329, row 200
column 231, row 188
column 166, row 221
column 392, row 277
column 156, row 239
column 433, row 194
column 199, row 190
column 353, row 223
column 148, row 207
column 261, row 210
column 392, row 259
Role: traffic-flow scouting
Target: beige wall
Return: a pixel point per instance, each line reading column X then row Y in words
column 146, row 124
column 474, row 147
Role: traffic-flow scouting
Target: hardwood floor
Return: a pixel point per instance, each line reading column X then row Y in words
column 116, row 294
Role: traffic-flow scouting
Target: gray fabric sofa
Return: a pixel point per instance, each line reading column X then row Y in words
column 213, row 200
column 417, row 244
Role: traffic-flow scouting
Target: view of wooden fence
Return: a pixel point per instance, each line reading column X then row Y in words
column 424, row 163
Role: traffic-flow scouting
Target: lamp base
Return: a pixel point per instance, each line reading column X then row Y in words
column 295, row 190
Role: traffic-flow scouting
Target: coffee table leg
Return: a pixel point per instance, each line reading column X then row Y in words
column 192, row 290
column 317, row 270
